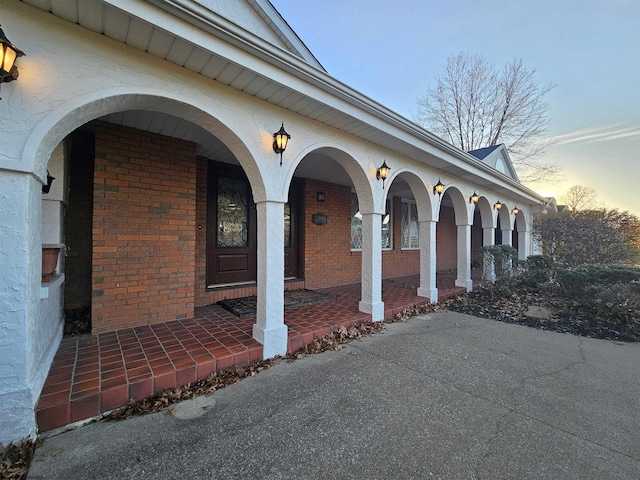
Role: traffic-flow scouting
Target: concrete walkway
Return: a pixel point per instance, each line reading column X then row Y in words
column 443, row 396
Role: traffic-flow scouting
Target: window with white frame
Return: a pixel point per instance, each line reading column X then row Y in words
column 410, row 227
column 356, row 225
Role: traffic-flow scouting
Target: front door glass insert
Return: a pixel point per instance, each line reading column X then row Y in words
column 233, row 215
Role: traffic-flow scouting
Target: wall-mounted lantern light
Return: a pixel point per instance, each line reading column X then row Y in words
column 383, row 172
column 474, row 198
column 497, row 205
column 438, row 188
column 320, row 196
column 8, row 55
column 515, row 211
column 47, row 187
column 280, row 140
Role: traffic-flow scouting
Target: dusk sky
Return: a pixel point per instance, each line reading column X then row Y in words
column 392, row 50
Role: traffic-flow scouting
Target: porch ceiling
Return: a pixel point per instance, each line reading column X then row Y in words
column 123, row 21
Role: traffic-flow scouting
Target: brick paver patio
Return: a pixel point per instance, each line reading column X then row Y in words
column 92, row 374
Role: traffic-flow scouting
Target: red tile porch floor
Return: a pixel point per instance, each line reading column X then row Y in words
column 92, row 374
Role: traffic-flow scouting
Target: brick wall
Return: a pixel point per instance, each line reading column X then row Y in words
column 446, row 240
column 329, row 260
column 144, row 224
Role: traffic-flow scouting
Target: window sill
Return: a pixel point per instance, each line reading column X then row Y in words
column 54, row 284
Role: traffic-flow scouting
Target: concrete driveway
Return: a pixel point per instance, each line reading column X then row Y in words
column 445, row 396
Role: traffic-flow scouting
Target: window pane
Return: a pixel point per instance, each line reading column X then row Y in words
column 414, row 229
column 287, row 225
column 387, row 226
column 356, row 223
column 410, row 227
column 232, row 212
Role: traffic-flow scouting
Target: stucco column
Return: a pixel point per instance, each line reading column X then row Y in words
column 428, row 259
column 506, row 237
column 524, row 244
column 488, row 239
column 464, row 258
column 24, row 356
column 372, row 266
column 269, row 328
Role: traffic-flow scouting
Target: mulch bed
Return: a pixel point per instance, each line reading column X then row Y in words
column 16, row 459
column 568, row 316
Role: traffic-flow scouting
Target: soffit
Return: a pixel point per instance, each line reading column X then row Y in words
column 123, row 21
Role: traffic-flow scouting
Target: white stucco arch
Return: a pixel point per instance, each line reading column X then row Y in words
column 80, row 110
column 521, row 221
column 504, row 214
column 464, row 215
column 354, row 169
column 486, row 213
column 424, row 204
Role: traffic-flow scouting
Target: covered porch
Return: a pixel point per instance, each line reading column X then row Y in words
column 92, row 374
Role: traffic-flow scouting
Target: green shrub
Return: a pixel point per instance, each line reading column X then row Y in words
column 504, row 261
column 616, row 300
column 537, row 269
column 574, row 281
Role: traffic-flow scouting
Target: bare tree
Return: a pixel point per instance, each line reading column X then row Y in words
column 579, row 197
column 474, row 106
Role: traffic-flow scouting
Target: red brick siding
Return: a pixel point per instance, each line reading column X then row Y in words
column 329, row 260
column 446, row 240
column 144, row 239
column 398, row 262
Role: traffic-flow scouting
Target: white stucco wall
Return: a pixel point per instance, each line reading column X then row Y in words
column 19, row 236
column 71, row 76
column 53, row 202
column 242, row 14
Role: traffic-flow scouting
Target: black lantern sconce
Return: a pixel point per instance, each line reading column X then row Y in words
column 438, row 188
column 474, row 198
column 8, row 55
column 280, row 140
column 320, row 196
column 383, row 172
column 497, row 205
column 47, row 187
column 515, row 211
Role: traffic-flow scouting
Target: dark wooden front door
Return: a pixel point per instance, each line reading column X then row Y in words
column 231, row 228
column 293, row 230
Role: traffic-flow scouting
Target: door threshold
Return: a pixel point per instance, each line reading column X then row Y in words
column 233, row 284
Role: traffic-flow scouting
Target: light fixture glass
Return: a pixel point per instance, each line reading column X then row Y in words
column 320, row 196
column 497, row 205
column 515, row 211
column 438, row 188
column 8, row 55
column 280, row 140
column 383, row 172
column 474, row 198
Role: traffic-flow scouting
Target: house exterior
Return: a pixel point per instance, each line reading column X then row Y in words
column 156, row 120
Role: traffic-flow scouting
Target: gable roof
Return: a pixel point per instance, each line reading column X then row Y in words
column 497, row 157
column 480, row 153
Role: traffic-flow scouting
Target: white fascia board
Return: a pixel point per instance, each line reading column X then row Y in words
column 226, row 39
